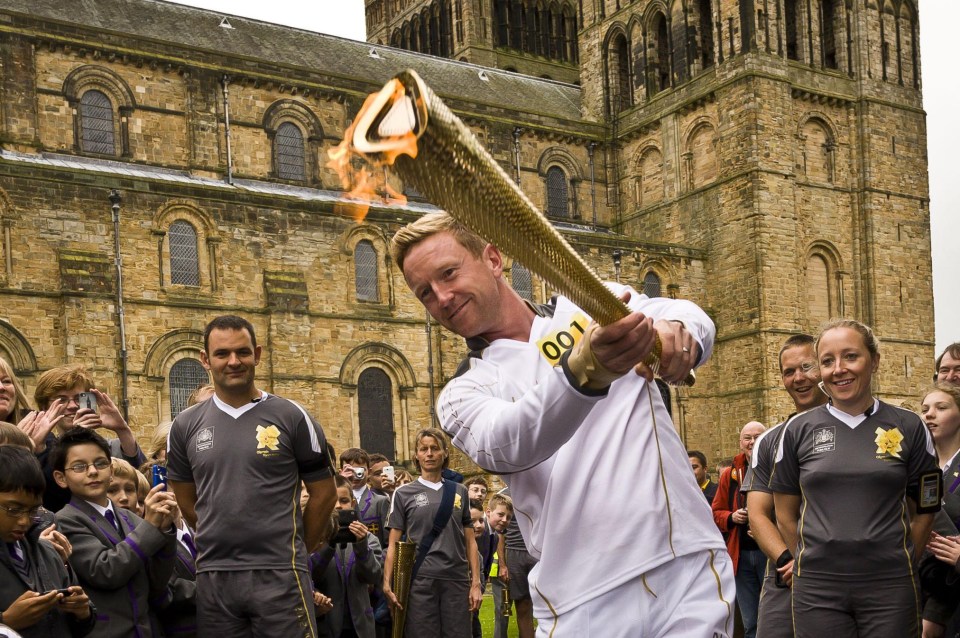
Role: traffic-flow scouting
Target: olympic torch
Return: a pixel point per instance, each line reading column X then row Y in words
column 403, row 560
column 406, row 125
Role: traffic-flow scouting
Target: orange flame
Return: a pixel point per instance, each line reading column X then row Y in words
column 363, row 183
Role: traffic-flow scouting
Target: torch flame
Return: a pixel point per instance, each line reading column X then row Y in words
column 375, row 150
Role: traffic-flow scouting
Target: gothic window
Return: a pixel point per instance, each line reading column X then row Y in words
column 828, row 32
column 557, row 200
column 290, row 152
column 186, row 375
column 746, row 25
column 618, row 74
column 375, row 399
column 793, row 37
column 501, row 16
column 365, row 271
column 522, row 282
column 96, row 124
column 818, row 148
column 706, row 33
column 908, row 46
column 651, row 284
column 702, row 165
column 818, row 290
column 184, row 258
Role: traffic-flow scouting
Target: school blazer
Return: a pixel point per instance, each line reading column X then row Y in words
column 126, row 576
column 345, row 575
column 47, row 572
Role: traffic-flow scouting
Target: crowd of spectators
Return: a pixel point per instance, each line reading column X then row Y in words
column 841, row 527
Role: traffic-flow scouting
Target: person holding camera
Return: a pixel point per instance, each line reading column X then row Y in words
column 730, row 515
column 69, row 391
column 372, row 508
column 344, row 569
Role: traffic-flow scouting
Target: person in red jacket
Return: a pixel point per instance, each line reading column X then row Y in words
column 730, row 515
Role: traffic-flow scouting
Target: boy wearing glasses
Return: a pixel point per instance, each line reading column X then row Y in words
column 38, row 595
column 124, row 562
column 59, row 393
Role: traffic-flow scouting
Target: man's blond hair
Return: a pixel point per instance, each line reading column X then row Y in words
column 429, row 225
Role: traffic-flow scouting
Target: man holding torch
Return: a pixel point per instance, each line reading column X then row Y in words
column 565, row 409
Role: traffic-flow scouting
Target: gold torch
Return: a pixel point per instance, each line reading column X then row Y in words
column 403, row 559
column 406, row 125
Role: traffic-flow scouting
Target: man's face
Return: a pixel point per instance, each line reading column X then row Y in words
column 699, row 471
column 499, row 518
column 355, row 473
column 123, row 493
column 91, row 483
column 71, row 399
column 477, row 491
column 949, row 370
column 748, row 436
column 232, row 360
column 476, row 521
column 459, row 290
column 14, row 528
column 344, row 499
column 801, row 374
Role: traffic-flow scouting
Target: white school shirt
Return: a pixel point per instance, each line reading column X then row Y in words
column 601, row 486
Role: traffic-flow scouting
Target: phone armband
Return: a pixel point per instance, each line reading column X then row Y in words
column 929, row 492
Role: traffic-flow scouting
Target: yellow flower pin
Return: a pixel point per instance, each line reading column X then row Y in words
column 888, row 441
column 457, row 501
column 267, row 437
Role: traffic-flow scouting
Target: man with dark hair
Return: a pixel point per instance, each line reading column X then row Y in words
column 800, row 375
column 698, row 462
column 243, row 454
column 948, row 365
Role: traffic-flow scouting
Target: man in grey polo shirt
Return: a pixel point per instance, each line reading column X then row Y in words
column 800, row 375
column 235, row 463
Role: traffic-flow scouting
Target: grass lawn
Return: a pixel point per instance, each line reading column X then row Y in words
column 486, row 619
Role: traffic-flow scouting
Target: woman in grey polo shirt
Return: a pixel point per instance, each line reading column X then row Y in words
column 855, row 485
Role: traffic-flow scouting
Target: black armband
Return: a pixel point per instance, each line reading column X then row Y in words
column 784, row 558
column 928, row 492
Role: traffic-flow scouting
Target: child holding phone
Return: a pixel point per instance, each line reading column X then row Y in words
column 342, row 572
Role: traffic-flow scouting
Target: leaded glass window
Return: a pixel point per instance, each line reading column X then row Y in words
column 184, row 260
column 365, row 271
column 186, row 375
column 96, row 124
column 651, row 285
column 375, row 398
column 522, row 282
column 556, row 192
column 290, row 152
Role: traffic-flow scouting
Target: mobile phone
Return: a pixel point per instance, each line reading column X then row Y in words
column 87, row 400
column 65, row 591
column 159, row 475
column 389, row 473
column 343, row 534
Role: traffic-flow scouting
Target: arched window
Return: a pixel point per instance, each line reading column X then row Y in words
column 96, row 124
column 706, row 32
column 651, row 284
column 818, row 290
column 618, row 74
column 186, row 375
column 829, row 22
column 522, row 282
column 557, row 204
column 375, row 399
column 792, row 21
column 365, row 271
column 290, row 152
column 184, row 259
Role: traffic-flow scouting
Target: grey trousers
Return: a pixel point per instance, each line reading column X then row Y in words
column 438, row 609
column 775, row 619
column 868, row 608
column 263, row 603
